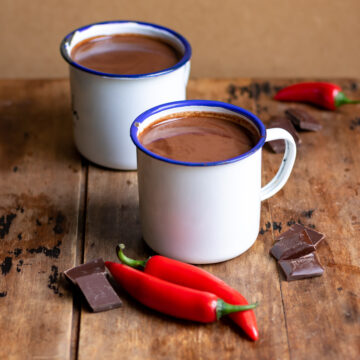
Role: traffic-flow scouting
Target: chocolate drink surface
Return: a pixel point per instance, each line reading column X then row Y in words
column 125, row 54
column 199, row 137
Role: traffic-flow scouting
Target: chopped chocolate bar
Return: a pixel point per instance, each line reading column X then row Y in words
column 301, row 268
column 284, row 123
column 303, row 120
column 98, row 292
column 292, row 246
column 94, row 266
column 315, row 236
column 92, row 280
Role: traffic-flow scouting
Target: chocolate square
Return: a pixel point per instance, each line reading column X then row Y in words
column 94, row 266
column 301, row 268
column 294, row 245
column 92, row 280
column 282, row 122
column 303, row 120
column 98, row 292
column 315, row 236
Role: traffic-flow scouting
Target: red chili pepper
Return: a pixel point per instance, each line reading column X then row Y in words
column 172, row 299
column 326, row 95
column 196, row 278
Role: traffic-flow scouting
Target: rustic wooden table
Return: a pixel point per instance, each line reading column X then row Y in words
column 57, row 210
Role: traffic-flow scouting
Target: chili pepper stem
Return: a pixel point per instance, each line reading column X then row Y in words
column 223, row 308
column 126, row 260
column 341, row 99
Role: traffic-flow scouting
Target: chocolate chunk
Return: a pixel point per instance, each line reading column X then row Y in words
column 315, row 236
column 301, row 268
column 92, row 280
column 98, row 292
column 292, row 246
column 303, row 120
column 282, row 122
column 94, row 266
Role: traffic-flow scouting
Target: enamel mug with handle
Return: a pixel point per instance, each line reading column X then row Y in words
column 205, row 212
column 104, row 105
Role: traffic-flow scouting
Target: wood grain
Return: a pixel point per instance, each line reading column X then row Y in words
column 40, row 175
column 322, row 314
column 57, row 210
column 136, row 332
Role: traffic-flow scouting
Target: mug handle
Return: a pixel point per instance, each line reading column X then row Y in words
column 281, row 177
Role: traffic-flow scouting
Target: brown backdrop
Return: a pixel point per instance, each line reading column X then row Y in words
column 304, row 38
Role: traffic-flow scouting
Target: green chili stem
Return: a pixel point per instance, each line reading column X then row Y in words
column 341, row 99
column 126, row 260
column 223, row 308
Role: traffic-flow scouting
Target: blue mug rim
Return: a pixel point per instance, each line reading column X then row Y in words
column 186, row 57
column 209, row 103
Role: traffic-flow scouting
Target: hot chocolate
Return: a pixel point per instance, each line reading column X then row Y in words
column 199, row 137
column 125, row 54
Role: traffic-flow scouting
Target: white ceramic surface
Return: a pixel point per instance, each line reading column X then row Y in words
column 105, row 105
column 205, row 213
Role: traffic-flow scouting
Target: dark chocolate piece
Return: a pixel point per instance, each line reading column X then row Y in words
column 282, row 122
column 293, row 246
column 303, row 120
column 98, row 292
column 315, row 236
column 301, row 268
column 94, row 266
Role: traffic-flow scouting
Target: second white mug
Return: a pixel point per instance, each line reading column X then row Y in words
column 105, row 105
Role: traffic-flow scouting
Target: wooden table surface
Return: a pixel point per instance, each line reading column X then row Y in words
column 58, row 210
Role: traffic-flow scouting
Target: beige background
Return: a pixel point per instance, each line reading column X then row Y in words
column 303, row 38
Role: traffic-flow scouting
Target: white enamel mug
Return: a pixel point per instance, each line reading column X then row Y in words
column 205, row 212
column 104, row 105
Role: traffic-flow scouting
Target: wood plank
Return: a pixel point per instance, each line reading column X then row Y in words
column 138, row 333
column 40, row 176
column 322, row 314
column 41, row 182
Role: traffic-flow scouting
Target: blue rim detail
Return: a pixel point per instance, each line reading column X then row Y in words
column 185, row 103
column 186, row 57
